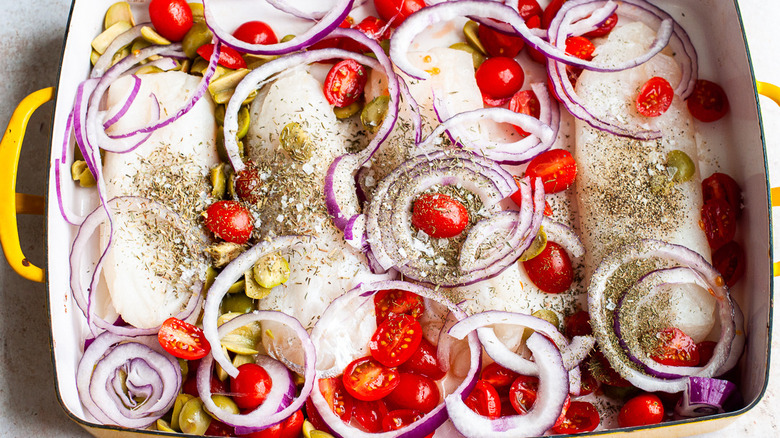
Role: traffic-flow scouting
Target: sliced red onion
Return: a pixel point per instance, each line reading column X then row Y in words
column 286, row 7
column 340, row 196
column 166, row 63
column 132, row 93
column 63, row 178
column 281, row 401
column 229, row 275
column 325, row 26
column 601, row 309
column 114, row 370
column 564, row 235
column 551, row 395
column 333, row 317
column 704, row 396
column 105, row 60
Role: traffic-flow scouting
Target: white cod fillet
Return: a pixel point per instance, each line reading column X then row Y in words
column 149, row 272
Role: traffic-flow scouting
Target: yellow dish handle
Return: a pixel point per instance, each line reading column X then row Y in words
column 772, row 92
column 12, row 203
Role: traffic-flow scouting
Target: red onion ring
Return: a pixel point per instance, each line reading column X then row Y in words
column 704, row 396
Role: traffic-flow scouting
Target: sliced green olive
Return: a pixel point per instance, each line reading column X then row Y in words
column 348, row 111
column 320, row 434
column 374, row 113
column 120, row 55
column 476, row 56
column 680, row 166
column 80, row 172
column 94, row 56
column 471, row 32
column 536, row 248
column 218, row 178
column 237, row 303
column 211, row 275
column 308, row 428
column 243, row 122
column 271, row 270
column 225, row 403
column 219, row 115
column 252, row 289
column 185, row 367
column 149, row 34
column 184, row 65
column 193, row 418
column 199, row 66
column 222, row 375
column 549, row 316
column 148, row 69
column 232, row 179
column 243, row 340
column 237, row 287
column 241, row 359
column 254, row 61
column 286, row 38
column 296, row 142
column 224, row 86
column 102, row 41
column 163, row 426
column 181, row 400
column 138, row 44
column 223, row 253
column 117, row 12
column 197, row 12
column 198, row 35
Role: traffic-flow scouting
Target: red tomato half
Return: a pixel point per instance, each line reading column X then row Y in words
column 589, row 383
column 218, row 428
column 708, row 102
column 415, row 392
column 729, row 260
column 528, row 8
column 439, row 216
column 424, row 361
column 339, row 400
column 655, row 97
column 551, row 270
column 550, row 11
column 289, row 428
column 256, row 32
column 368, row 380
column 535, row 22
column 675, row 348
column 577, row 324
column 498, row 376
column 228, row 57
column 499, row 44
column 641, row 410
column 183, row 339
column 605, row 28
column 602, row 371
column 396, row 11
column 484, row 400
column 580, row 47
column 251, row 386
column 719, row 222
column 395, row 340
column 525, row 102
column 171, row 18
column 522, row 393
column 581, row 416
column 721, row 186
column 397, row 302
column 230, row 221
column 556, row 168
column 706, row 350
column 369, row 414
column 374, row 28
column 345, row 82
column 500, row 77
column 399, row 418
column 518, row 199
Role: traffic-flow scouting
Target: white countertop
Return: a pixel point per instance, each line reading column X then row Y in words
column 31, row 36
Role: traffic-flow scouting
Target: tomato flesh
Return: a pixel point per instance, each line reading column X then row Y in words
column 345, row 82
column 396, row 11
column 339, row 400
column 500, row 77
column 550, row 11
column 499, row 44
column 719, row 222
column 522, row 393
column 551, row 270
column 484, row 400
column 708, row 102
column 171, row 18
column 580, row 47
column 255, row 32
column 397, row 302
column 706, row 351
column 424, row 361
column 415, row 392
column 577, row 324
column 498, row 376
column 556, row 168
column 251, row 386
column 395, row 340
column 289, row 428
column 580, row 416
column 729, row 260
column 604, row 29
column 368, row 380
column 374, row 28
column 439, row 216
column 642, row 410
column 655, row 97
column 529, row 8
column 675, row 348
column 401, row 418
column 228, row 57
column 369, row 414
column 525, row 102
column 721, row 186
column 183, row 339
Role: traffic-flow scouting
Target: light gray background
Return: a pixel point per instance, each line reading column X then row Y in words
column 31, row 36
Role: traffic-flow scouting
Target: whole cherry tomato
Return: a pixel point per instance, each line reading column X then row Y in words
column 581, row 416
column 424, row 361
column 171, row 18
column 366, row 379
column 289, row 428
column 719, row 222
column 183, row 339
column 605, row 28
column 499, row 44
column 642, row 410
column 500, row 77
column 439, row 216
column 674, row 348
column 396, row 11
column 721, row 186
column 228, row 57
column 708, row 102
column 498, row 376
column 230, row 221
column 556, row 168
column 525, row 102
column 729, row 260
column 345, row 82
column 415, row 392
column 577, row 324
column 339, row 400
column 256, row 32
column 655, row 97
column 395, row 340
column 251, row 386
column 369, row 414
column 484, row 400
column 397, row 302
column 551, row 270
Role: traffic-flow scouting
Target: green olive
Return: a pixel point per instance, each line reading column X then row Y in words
column 81, row 173
column 197, row 12
column 286, row 38
column 307, row 429
column 102, row 41
column 193, row 418
column 218, row 181
column 94, row 56
column 243, row 122
column 198, row 35
column 320, row 434
column 148, row 69
column 476, row 56
column 271, row 270
column 680, row 166
column 238, row 303
column 181, row 400
column 373, row 113
column 219, row 115
column 348, row 111
column 471, row 32
column 296, row 142
column 241, row 359
column 252, row 289
column 548, row 315
column 199, row 66
column 243, row 340
column 119, row 11
column 536, row 248
column 184, row 365
column 120, row 55
column 149, row 34
column 163, row 426
column 225, row 403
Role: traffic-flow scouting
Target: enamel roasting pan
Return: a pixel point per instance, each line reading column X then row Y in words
column 723, row 58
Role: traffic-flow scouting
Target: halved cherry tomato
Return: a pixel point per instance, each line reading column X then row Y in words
column 369, row 414
column 251, row 386
column 550, row 11
column 399, row 418
column 345, row 82
column 339, row 400
column 256, row 32
column 484, row 400
column 230, row 221
column 655, row 97
column 522, row 393
column 491, row 102
column 415, row 392
column 551, row 270
column 249, row 184
column 366, row 379
column 556, row 168
column 171, row 18
column 642, row 410
column 395, row 340
column 439, row 216
column 580, row 47
column 605, row 28
column 528, row 8
column 719, row 222
column 535, row 22
column 314, row 416
column 708, row 102
column 525, row 102
column 374, row 28
column 190, row 386
column 498, row 376
column 589, row 384
column 581, row 416
column 218, row 428
column 706, row 350
column 424, row 361
column 289, row 428
column 499, row 44
column 518, row 199
column 500, row 77
column 228, row 57
column 396, row 11
column 729, row 260
column 397, row 302
column 674, row 348
column 721, row 186
column 577, row 324
column 183, row 339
